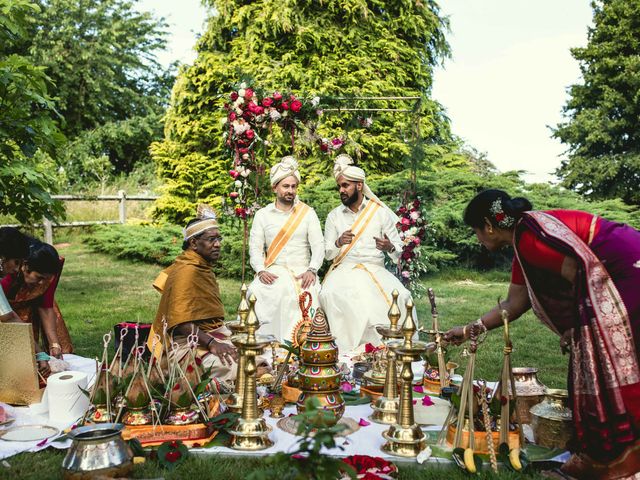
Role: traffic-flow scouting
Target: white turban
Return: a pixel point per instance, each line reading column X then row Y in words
column 288, row 166
column 344, row 167
column 207, row 219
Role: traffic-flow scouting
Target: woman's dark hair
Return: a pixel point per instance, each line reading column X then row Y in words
column 185, row 244
column 42, row 258
column 13, row 243
column 497, row 206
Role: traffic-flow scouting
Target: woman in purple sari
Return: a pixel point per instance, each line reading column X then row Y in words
column 580, row 274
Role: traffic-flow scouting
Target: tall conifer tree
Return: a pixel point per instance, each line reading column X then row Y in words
column 337, row 48
column 603, row 114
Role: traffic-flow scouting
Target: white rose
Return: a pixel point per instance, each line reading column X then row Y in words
column 245, row 156
column 415, row 215
column 238, row 184
column 315, row 101
column 412, row 231
column 242, row 91
column 245, row 173
column 285, row 113
column 274, row 114
column 242, row 85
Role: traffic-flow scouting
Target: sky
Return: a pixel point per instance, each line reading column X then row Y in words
column 504, row 86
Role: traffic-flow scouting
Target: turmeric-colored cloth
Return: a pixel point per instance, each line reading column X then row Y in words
column 190, row 293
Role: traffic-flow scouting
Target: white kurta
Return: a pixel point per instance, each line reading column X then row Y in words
column 277, row 304
column 356, row 295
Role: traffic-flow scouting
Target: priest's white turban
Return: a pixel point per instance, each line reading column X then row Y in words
column 288, row 166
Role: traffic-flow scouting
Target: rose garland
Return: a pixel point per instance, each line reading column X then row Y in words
column 251, row 115
column 413, row 228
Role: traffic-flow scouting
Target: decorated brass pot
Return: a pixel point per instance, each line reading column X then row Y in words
column 319, row 378
column 529, row 391
column 331, row 401
column 319, row 353
column 551, row 420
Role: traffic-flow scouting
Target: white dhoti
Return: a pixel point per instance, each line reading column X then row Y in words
column 277, row 305
column 355, row 298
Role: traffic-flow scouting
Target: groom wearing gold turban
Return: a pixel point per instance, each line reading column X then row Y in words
column 190, row 301
column 356, row 293
column 286, row 250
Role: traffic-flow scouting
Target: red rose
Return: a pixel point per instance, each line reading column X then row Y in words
column 277, row 96
column 499, row 217
column 172, row 456
column 173, row 444
column 407, row 255
column 232, row 116
column 246, row 115
column 198, row 359
column 250, row 134
column 233, row 174
column 404, row 228
column 248, row 93
column 241, row 212
column 267, row 102
column 296, row 105
column 259, row 110
column 176, row 387
column 503, row 400
column 324, row 147
column 243, row 150
column 402, row 210
column 284, row 106
column 189, row 368
column 234, row 96
column 416, row 203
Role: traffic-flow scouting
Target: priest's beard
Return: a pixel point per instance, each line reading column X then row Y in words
column 347, row 201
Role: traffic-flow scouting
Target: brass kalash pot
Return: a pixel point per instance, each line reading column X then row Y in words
column 552, row 420
column 319, row 374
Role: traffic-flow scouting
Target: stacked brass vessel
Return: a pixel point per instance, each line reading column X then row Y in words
column 405, row 438
column 251, row 432
column 385, row 408
column 319, row 374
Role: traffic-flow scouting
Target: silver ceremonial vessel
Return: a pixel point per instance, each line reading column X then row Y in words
column 97, row 450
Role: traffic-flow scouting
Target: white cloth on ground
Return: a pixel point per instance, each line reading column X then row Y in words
column 356, row 295
column 277, row 304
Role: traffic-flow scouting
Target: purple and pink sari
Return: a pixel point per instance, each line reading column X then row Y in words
column 602, row 308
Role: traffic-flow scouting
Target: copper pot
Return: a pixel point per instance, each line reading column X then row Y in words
column 552, row 420
column 529, row 391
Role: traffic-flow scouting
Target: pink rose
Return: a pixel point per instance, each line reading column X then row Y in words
column 426, row 401
column 248, row 93
column 267, row 102
column 233, row 174
column 296, row 105
column 416, row 241
column 234, row 194
column 232, row 116
column 405, row 221
column 284, row 106
column 337, row 142
column 406, row 274
column 250, row 134
column 277, row 96
column 258, row 110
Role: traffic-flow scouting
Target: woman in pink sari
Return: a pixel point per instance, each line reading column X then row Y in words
column 581, row 276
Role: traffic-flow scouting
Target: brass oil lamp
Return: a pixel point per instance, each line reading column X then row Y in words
column 385, row 408
column 250, row 432
column 405, row 438
column 239, row 326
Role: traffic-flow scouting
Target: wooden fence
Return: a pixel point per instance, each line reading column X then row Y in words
column 121, row 198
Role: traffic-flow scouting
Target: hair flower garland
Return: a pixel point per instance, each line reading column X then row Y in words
column 502, row 219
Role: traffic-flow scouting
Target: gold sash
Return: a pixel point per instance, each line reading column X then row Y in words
column 361, row 224
column 285, row 233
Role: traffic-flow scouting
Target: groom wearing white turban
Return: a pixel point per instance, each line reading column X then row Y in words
column 286, row 249
column 356, row 293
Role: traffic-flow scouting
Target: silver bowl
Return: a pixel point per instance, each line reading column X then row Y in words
column 97, row 450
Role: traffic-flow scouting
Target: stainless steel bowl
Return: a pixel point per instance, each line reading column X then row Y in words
column 97, row 450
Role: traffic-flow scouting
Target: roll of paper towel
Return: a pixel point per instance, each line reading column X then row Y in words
column 66, row 400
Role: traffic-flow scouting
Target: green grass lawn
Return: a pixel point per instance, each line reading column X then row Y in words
column 96, row 292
